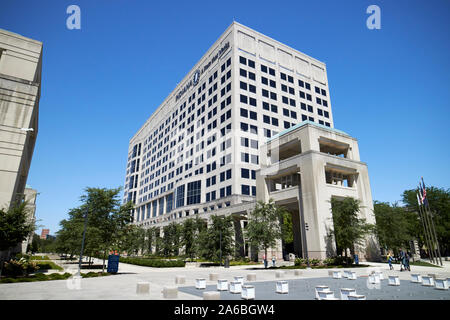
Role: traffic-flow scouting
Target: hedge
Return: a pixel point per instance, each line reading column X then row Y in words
column 155, row 263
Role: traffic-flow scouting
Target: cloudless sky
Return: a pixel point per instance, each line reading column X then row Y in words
column 389, row 88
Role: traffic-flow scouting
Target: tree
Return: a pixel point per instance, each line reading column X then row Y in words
column 392, row 225
column 264, row 226
column 190, row 230
column 171, row 239
column 15, row 227
column 216, row 241
column 439, row 201
column 349, row 230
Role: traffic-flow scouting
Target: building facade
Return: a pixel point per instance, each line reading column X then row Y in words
column 20, row 88
column 200, row 152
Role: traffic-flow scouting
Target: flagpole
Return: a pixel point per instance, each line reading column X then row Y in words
column 427, row 223
column 426, row 232
column 427, row 205
column 427, row 240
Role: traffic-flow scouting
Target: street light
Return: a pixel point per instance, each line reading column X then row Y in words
column 82, row 243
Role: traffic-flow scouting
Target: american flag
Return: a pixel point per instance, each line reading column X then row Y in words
column 424, row 193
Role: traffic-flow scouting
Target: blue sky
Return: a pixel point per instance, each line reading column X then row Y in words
column 389, row 88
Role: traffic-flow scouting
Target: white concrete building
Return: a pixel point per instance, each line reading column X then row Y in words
column 20, row 89
column 199, row 153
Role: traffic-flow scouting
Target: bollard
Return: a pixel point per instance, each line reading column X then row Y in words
column 282, row 287
column 222, row 285
column 351, row 275
column 428, row 281
column 213, row 276
column 416, row 278
column 325, row 294
column 248, row 292
column 337, row 275
column 170, row 292
column 356, row 297
column 441, row 284
column 251, row 277
column 239, row 279
column 211, row 295
column 374, row 278
column 298, row 272
column 346, row 273
column 279, row 274
column 394, row 281
column 345, row 292
column 143, row 288
column 320, row 288
column 200, row 283
column 180, row 279
column 235, row 287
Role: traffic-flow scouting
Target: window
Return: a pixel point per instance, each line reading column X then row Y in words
column 245, row 173
column 243, row 60
column 244, row 99
column 274, row 121
column 266, row 119
column 264, row 80
column 263, row 68
column 271, row 72
column 244, row 126
column 243, row 73
column 243, row 85
column 245, row 189
column 179, row 196
column 244, row 113
column 251, row 63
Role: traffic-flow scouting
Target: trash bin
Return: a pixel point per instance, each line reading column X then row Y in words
column 227, row 262
column 355, row 257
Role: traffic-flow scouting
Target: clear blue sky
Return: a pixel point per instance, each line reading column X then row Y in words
column 389, row 87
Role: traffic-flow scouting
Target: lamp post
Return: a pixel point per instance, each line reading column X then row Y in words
column 82, row 243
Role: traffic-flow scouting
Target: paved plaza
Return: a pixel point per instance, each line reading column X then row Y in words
column 122, row 286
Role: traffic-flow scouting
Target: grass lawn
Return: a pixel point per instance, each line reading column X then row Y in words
column 46, row 265
column 39, row 258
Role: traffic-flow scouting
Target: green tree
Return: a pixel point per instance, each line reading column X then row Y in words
column 392, row 225
column 349, row 230
column 171, row 239
column 264, row 226
column 15, row 227
column 216, row 241
column 439, row 202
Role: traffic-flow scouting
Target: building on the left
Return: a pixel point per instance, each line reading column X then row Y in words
column 20, row 91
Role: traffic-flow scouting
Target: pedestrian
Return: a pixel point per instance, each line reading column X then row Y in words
column 389, row 259
column 273, row 261
column 265, row 260
column 407, row 255
column 401, row 258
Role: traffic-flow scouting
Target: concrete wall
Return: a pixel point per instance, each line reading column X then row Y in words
column 20, row 76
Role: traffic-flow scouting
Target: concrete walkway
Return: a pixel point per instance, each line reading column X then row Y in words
column 122, row 286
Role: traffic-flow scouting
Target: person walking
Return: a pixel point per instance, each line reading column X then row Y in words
column 401, row 258
column 389, row 259
column 273, row 261
column 407, row 255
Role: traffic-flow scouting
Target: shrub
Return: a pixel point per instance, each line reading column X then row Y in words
column 17, row 268
column 155, row 263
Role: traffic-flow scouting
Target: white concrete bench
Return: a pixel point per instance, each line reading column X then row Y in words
column 180, row 279
column 428, row 281
column 345, row 292
column 143, row 288
column 211, row 295
column 346, row 273
column 416, row 278
column 235, row 287
column 352, row 275
column 200, row 283
column 394, row 281
column 170, row 292
column 319, row 289
column 374, row 278
column 282, row 287
column 248, row 292
column 337, row 275
column 325, row 294
column 441, row 283
column 222, row 285
column 356, row 297
column 239, row 279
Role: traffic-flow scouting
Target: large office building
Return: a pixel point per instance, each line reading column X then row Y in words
column 20, row 88
column 200, row 151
